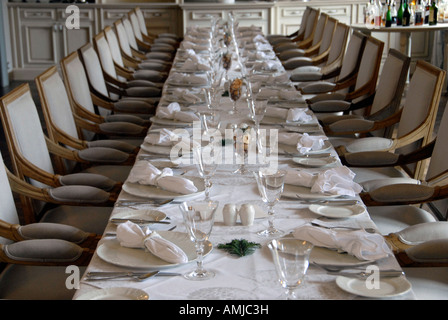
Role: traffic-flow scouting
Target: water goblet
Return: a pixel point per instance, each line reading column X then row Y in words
column 291, row 260
column 199, row 217
column 205, row 158
column 270, row 186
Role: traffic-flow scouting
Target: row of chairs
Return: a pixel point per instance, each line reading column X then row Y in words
column 69, row 174
column 386, row 137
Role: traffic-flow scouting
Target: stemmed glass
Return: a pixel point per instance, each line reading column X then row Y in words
column 199, row 217
column 270, row 186
column 205, row 158
column 235, row 91
column 291, row 260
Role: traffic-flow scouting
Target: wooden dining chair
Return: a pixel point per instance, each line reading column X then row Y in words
column 298, row 34
column 111, row 158
column 101, row 116
column 304, row 41
column 384, row 102
column 146, row 43
column 314, row 45
column 348, row 72
column 358, row 88
column 30, row 152
column 146, row 32
column 118, row 75
column 141, row 47
column 324, row 69
column 414, row 126
column 315, row 55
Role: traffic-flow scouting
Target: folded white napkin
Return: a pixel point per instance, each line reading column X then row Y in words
column 145, row 173
column 195, row 63
column 361, row 244
column 185, row 95
column 267, row 65
column 291, row 115
column 130, row 235
column 173, row 112
column 261, row 55
column 304, row 142
column 335, row 181
column 164, row 137
column 192, row 79
column 194, row 46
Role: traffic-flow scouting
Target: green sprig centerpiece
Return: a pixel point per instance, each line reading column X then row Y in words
column 240, row 247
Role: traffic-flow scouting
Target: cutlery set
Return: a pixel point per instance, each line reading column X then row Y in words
column 138, row 276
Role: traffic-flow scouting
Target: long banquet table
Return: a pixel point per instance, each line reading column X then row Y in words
column 251, row 277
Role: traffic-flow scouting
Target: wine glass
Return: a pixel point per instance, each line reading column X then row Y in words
column 270, row 186
column 199, row 217
column 205, row 158
column 235, row 91
column 291, row 260
column 242, row 143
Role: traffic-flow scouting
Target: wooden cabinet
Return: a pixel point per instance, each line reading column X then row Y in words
column 41, row 38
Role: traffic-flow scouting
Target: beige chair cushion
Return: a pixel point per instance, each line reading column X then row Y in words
column 423, row 232
column 114, row 144
column 83, row 179
column 19, row 282
column 367, row 174
column 433, row 251
column 143, row 92
column 371, row 158
column 354, row 125
column 43, row 250
column 331, row 106
column 292, row 53
column 149, row 75
column 103, row 155
column 79, row 194
column 87, row 218
column 120, row 128
column 297, row 62
column 369, row 144
column 131, row 105
column 408, row 190
column 318, row 87
column 114, row 172
column 52, row 231
column 391, row 219
column 159, row 55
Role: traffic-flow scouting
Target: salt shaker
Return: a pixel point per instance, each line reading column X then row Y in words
column 247, row 214
column 230, row 214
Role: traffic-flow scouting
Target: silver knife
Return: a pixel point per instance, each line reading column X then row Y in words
column 364, row 275
column 126, row 273
column 330, row 202
column 120, row 220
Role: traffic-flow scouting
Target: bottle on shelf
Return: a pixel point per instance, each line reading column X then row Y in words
column 419, row 13
column 388, row 17
column 406, row 15
column 394, row 13
column 433, row 14
column 427, row 6
column 400, row 14
column 378, row 10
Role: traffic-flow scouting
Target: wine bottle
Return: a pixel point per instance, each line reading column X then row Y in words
column 433, row 14
column 427, row 6
column 419, row 14
column 406, row 15
column 388, row 17
column 400, row 14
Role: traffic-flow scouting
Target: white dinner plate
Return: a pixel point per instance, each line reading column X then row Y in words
column 327, row 257
column 388, row 287
column 116, row 293
column 112, row 252
column 291, row 191
column 279, row 121
column 283, row 148
column 170, row 122
column 337, row 211
column 314, row 162
column 185, row 85
column 147, row 214
column 153, row 192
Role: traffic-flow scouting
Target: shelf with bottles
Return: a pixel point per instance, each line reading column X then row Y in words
column 396, row 13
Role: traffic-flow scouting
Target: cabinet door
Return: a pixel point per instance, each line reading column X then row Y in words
column 39, row 37
column 73, row 39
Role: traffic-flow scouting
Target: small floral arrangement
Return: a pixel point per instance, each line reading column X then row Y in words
column 235, row 89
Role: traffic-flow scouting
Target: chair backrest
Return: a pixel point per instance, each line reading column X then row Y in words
column 135, row 25
column 353, row 54
column 122, row 37
column 141, row 21
column 369, row 69
column 27, row 145
column 105, row 55
column 8, row 212
column 58, row 114
column 337, row 49
column 311, row 23
column 327, row 35
column 419, row 112
column 114, row 45
column 389, row 90
column 95, row 75
column 320, row 27
column 305, row 16
column 77, row 85
column 130, row 33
